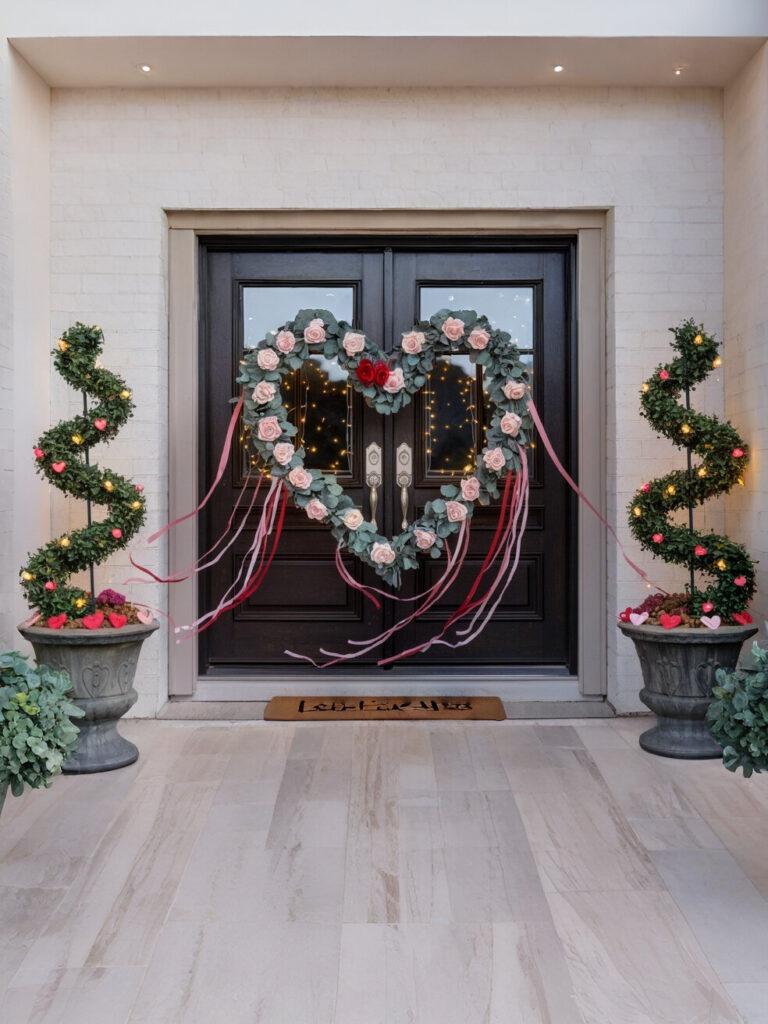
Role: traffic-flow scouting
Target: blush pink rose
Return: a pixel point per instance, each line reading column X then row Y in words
column 511, row 423
column 263, row 392
column 314, row 332
column 316, row 509
column 283, row 452
column 285, row 341
column 353, row 343
column 470, row 489
column 494, row 459
column 269, row 428
column 413, row 342
column 382, row 554
column 300, row 478
column 514, row 389
column 424, row 539
column 352, row 518
column 479, row 338
column 395, row 381
column 268, row 359
column 453, row 328
column 456, row 511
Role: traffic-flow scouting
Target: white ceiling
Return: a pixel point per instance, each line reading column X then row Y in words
column 384, row 61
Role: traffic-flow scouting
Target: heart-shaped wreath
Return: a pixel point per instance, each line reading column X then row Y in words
column 387, row 381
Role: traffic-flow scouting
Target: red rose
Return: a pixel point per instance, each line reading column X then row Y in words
column 381, row 373
column 365, row 372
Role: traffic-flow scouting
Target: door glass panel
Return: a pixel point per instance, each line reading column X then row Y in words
column 317, row 397
column 454, row 427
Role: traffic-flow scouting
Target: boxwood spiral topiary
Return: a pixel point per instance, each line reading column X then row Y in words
column 61, row 456
column 724, row 457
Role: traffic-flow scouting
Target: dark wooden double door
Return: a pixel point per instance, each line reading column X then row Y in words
column 383, row 289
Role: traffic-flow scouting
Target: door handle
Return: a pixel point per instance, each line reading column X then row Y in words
column 404, row 477
column 373, row 476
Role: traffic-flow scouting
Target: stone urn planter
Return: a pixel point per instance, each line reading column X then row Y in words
column 102, row 666
column 679, row 667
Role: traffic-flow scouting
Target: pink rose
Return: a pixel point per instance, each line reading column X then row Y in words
column 268, row 359
column 479, row 338
column 395, row 381
column 300, row 478
column 511, row 423
column 470, row 489
column 514, row 389
column 413, row 342
column 353, row 343
column 453, row 328
column 285, row 341
column 424, row 539
column 494, row 459
column 456, row 511
column 352, row 518
column 316, row 509
column 314, row 332
column 382, row 554
column 283, row 452
column 269, row 428
column 263, row 392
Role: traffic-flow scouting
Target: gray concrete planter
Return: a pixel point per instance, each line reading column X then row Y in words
column 3, row 791
column 678, row 667
column 102, row 666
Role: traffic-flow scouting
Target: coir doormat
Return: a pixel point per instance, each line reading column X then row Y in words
column 400, row 709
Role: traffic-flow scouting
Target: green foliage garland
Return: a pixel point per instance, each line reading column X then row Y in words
column 723, row 457
column 65, row 447
column 36, row 733
column 322, row 497
column 738, row 716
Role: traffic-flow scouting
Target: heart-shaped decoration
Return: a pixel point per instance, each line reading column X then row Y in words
column 58, row 467
column 387, row 381
column 626, row 615
column 699, row 551
column 93, row 621
column 740, row 581
column 144, row 615
column 100, row 424
column 57, row 621
column 710, row 621
column 707, row 607
column 638, row 618
column 743, row 618
column 117, row 620
column 39, row 453
column 669, row 621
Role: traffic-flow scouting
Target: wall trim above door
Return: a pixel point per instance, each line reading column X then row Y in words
column 588, row 226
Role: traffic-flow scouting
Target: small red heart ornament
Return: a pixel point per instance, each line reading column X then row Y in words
column 740, row 581
column 117, row 533
column 658, row 538
column 711, row 622
column 93, row 621
column 57, row 621
column 117, row 620
column 39, row 453
column 145, row 616
column 707, row 607
column 743, row 618
column 663, row 375
column 100, row 424
column 624, row 616
column 737, row 453
column 59, row 467
column 139, row 487
column 699, row 551
column 50, row 585
column 669, row 621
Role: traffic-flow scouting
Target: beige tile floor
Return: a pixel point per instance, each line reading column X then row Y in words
column 369, row 873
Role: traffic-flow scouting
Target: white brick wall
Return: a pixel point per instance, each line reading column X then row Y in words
column 654, row 157
column 746, row 304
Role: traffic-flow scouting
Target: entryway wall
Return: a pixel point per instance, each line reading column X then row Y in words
column 652, row 158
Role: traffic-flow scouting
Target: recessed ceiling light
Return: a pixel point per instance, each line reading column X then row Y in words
column 558, row 68
column 145, row 68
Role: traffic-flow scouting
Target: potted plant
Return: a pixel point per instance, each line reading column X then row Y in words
column 36, row 731
column 96, row 639
column 683, row 639
column 738, row 715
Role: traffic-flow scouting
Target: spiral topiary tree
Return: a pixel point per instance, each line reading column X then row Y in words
column 62, row 455
column 723, row 456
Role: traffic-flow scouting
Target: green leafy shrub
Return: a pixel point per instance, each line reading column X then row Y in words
column 739, row 716
column 36, row 732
